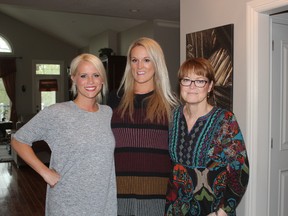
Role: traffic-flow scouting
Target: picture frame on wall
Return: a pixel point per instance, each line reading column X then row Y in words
column 216, row 45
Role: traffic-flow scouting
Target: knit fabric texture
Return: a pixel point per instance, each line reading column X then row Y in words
column 82, row 146
column 142, row 161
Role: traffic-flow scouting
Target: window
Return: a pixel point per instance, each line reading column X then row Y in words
column 4, row 104
column 48, row 91
column 48, row 69
column 4, row 99
column 4, row 45
column 47, row 98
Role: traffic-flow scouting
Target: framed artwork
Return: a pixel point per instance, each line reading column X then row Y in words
column 216, row 45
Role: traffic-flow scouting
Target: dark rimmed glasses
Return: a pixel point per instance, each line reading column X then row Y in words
column 197, row 83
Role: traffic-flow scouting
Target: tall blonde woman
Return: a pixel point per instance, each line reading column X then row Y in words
column 141, row 111
column 81, row 176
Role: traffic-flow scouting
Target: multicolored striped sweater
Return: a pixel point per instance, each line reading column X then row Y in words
column 142, row 161
column 210, row 165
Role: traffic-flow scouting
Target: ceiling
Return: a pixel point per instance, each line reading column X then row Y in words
column 76, row 21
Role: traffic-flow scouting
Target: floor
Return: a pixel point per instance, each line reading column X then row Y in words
column 22, row 191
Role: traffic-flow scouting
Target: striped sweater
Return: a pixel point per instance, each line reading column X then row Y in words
column 142, row 161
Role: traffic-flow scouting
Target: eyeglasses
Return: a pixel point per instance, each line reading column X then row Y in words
column 197, row 83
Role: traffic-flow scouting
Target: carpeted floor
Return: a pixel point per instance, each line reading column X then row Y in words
column 4, row 155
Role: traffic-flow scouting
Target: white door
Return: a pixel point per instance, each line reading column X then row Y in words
column 278, row 197
column 48, row 83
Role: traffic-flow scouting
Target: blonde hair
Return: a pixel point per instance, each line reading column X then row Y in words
column 99, row 67
column 200, row 67
column 161, row 102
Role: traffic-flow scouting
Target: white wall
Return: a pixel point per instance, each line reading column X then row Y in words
column 200, row 15
column 166, row 33
column 31, row 44
column 107, row 39
column 168, row 36
column 126, row 37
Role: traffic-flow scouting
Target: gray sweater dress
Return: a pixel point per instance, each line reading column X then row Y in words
column 82, row 146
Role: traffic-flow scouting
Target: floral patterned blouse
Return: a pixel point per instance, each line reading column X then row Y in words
column 210, row 165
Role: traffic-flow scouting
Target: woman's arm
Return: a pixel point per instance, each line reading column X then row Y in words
column 27, row 154
column 237, row 164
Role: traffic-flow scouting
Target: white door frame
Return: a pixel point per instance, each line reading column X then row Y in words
column 35, row 83
column 258, row 107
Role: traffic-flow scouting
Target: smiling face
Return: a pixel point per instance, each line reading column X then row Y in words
column 142, row 68
column 87, row 80
column 195, row 95
column 197, row 69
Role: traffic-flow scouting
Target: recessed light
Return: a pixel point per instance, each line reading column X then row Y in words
column 134, row 10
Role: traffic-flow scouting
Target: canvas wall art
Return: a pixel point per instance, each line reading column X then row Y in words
column 216, row 45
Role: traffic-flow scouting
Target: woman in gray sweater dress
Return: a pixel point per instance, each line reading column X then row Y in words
column 81, row 176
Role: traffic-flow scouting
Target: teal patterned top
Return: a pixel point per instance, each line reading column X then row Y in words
column 210, row 164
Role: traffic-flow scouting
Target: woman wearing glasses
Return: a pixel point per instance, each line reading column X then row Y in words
column 210, row 165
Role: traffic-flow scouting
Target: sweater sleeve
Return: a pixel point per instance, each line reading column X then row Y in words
column 237, row 164
column 36, row 129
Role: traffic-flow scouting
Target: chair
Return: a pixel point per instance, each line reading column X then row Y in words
column 4, row 125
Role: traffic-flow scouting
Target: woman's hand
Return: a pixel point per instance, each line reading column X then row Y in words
column 28, row 155
column 220, row 212
column 52, row 177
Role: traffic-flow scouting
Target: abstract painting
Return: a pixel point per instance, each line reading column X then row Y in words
column 216, row 45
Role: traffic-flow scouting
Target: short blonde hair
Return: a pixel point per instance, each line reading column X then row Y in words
column 99, row 67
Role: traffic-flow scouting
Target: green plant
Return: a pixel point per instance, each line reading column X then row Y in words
column 105, row 52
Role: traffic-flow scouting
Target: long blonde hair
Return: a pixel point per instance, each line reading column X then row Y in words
column 162, row 101
column 99, row 67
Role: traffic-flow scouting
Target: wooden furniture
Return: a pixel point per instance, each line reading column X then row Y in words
column 4, row 125
column 9, row 132
column 115, row 67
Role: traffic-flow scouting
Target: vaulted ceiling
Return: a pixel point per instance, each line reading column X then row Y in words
column 76, row 21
